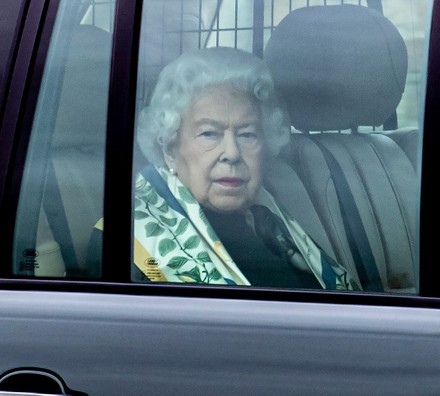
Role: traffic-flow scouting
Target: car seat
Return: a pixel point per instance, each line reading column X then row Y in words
column 338, row 68
column 73, row 196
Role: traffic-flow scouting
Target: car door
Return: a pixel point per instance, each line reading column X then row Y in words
column 76, row 75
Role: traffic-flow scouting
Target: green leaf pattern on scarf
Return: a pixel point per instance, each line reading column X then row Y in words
column 187, row 249
column 153, row 229
column 178, row 246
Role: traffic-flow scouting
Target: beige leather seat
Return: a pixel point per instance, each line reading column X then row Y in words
column 338, row 68
column 74, row 190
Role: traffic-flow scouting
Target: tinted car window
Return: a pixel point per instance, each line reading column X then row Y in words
column 62, row 190
column 326, row 136
column 342, row 186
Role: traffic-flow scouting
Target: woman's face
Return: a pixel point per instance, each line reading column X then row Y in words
column 219, row 150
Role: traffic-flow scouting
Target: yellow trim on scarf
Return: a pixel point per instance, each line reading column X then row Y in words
column 100, row 224
column 143, row 260
column 147, row 264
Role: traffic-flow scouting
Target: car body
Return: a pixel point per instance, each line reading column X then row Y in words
column 104, row 334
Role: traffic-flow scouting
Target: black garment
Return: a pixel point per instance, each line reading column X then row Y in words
column 260, row 263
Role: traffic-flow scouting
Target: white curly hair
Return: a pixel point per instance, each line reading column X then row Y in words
column 159, row 122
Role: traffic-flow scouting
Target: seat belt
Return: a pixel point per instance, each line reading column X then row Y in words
column 356, row 235
column 57, row 219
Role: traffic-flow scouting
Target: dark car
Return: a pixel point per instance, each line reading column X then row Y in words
column 359, row 82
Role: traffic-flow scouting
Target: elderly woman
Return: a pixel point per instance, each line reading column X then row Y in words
column 202, row 214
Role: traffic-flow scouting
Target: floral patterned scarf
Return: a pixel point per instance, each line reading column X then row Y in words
column 174, row 241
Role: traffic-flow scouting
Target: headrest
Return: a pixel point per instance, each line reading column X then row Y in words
column 83, row 100
column 338, row 66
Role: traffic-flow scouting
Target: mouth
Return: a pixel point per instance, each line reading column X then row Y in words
column 232, row 182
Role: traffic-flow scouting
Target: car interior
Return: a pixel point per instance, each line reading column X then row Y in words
column 73, row 194
column 363, row 185
column 348, row 175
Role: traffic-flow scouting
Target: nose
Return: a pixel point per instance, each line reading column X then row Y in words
column 230, row 150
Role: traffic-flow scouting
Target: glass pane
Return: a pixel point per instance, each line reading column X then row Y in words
column 299, row 170
column 61, row 196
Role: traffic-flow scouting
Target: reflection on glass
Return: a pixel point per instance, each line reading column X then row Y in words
column 61, row 196
column 233, row 188
column 207, row 133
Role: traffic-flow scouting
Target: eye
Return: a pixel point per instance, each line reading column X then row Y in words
column 209, row 134
column 208, row 138
column 248, row 135
column 249, row 139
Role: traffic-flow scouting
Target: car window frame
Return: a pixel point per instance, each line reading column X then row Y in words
column 19, row 8
column 15, row 136
column 20, row 104
column 120, row 142
column 429, row 194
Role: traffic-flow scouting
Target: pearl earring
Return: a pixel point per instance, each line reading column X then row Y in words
column 172, row 171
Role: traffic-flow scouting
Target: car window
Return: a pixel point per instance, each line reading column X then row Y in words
column 278, row 143
column 62, row 191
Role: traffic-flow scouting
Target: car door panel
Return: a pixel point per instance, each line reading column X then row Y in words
column 104, row 344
